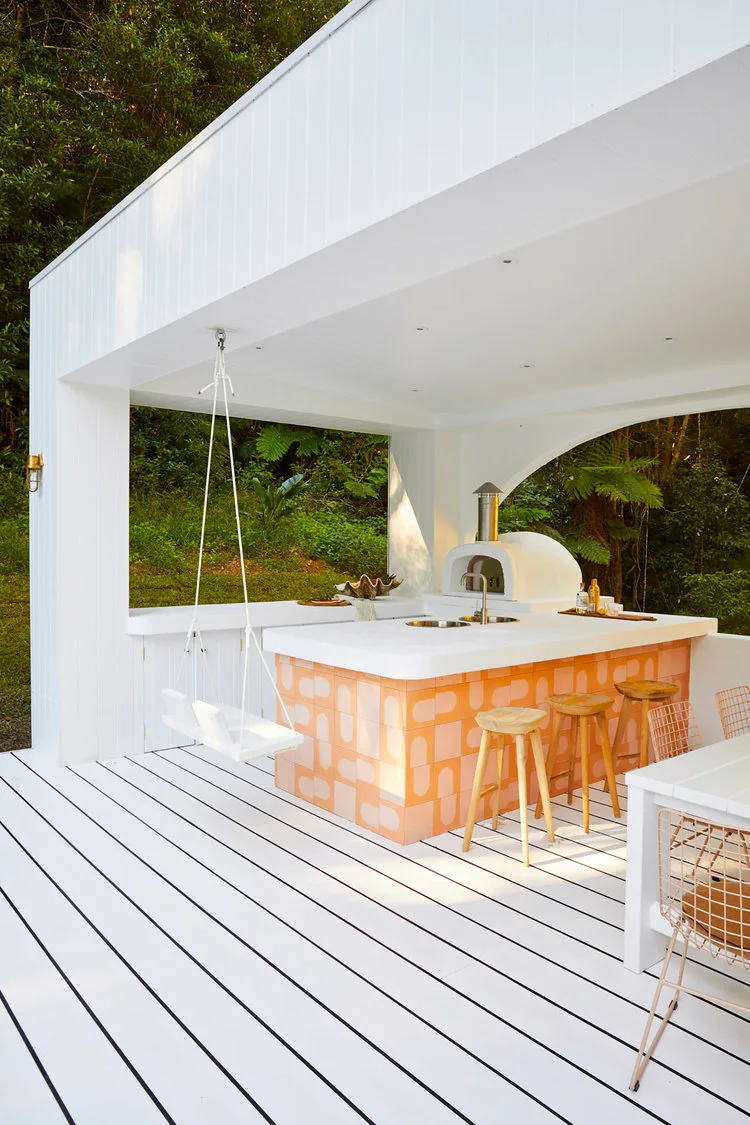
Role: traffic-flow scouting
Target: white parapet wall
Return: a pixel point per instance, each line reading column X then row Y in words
column 718, row 661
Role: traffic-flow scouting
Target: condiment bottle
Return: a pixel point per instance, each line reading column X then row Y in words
column 593, row 596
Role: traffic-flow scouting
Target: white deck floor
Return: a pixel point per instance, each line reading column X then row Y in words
column 180, row 942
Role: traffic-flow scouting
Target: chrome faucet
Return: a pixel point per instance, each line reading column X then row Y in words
column 484, row 591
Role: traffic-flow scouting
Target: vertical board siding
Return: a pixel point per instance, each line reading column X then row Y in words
column 405, row 99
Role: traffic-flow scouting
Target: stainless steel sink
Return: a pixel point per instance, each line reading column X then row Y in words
column 437, row 623
column 490, row 620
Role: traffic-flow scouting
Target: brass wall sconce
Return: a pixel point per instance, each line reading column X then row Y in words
column 34, row 466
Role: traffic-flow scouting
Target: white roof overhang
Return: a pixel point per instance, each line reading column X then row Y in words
column 605, row 269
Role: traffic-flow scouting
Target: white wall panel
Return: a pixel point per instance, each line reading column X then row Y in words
column 700, row 29
column 363, row 134
column 339, row 137
column 389, row 107
column 554, row 67
column 296, row 164
column 598, row 56
column 316, row 182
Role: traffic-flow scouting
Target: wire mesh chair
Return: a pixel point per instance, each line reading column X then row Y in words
column 707, row 910
column 674, row 729
column 734, row 710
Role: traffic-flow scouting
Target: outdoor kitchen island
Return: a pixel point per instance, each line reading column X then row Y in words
column 387, row 710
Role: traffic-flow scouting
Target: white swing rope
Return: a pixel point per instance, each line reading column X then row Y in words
column 221, row 376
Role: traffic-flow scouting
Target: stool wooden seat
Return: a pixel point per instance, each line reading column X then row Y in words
column 580, row 707
column 516, row 722
column 646, row 692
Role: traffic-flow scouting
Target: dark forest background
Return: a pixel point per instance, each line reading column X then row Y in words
column 94, row 96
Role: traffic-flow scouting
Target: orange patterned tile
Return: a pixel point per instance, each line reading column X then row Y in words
column 368, row 770
column 447, row 814
column 419, row 822
column 391, row 821
column 324, row 724
column 393, row 746
column 447, row 778
column 345, row 800
column 420, row 785
column 420, row 747
column 392, row 783
column 368, row 807
column 345, row 734
column 284, row 772
column 325, row 685
column 368, row 738
column 448, row 681
column 345, row 694
column 420, row 709
column 344, row 765
column 392, row 707
column 471, row 736
column 451, row 703
column 368, row 699
column 448, row 740
column 419, row 685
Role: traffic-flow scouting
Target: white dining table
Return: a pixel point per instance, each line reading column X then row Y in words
column 713, row 782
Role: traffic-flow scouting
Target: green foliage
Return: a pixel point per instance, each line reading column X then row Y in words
column 725, row 595
column 275, row 501
column 274, row 442
column 356, row 547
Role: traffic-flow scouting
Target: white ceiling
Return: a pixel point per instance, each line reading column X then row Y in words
column 630, row 230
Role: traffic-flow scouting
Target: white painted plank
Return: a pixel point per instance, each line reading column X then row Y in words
column 92, row 1080
column 26, row 1097
column 158, row 1047
column 317, row 1035
column 465, row 941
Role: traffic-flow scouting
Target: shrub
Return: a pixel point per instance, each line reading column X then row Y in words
column 723, row 595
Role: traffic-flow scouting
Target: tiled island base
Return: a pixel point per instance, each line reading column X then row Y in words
column 398, row 756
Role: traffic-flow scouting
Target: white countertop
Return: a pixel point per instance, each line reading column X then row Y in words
column 717, row 777
column 394, row 649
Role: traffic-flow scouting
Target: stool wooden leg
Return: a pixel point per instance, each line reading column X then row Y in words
column 499, row 752
column 522, row 795
column 609, row 769
column 476, row 789
column 644, row 733
column 551, row 754
column 541, row 775
column 585, row 771
column 622, row 723
column 575, row 726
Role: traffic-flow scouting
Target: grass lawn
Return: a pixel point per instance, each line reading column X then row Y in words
column 15, row 689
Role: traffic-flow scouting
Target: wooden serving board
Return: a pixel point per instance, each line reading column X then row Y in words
column 331, row 603
column 604, row 617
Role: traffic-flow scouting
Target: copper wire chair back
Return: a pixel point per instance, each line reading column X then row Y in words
column 734, row 710
column 704, row 884
column 674, row 729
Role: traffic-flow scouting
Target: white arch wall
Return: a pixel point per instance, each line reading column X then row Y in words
column 434, row 473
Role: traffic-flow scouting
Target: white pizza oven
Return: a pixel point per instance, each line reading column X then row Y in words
column 522, row 567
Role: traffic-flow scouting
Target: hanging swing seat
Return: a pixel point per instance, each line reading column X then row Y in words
column 223, row 728
column 254, row 737
column 230, row 730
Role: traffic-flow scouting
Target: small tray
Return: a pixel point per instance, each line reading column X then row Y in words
column 605, row 617
column 330, row 603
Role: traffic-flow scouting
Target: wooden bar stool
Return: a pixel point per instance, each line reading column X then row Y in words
column 516, row 722
column 580, row 707
column 647, row 692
